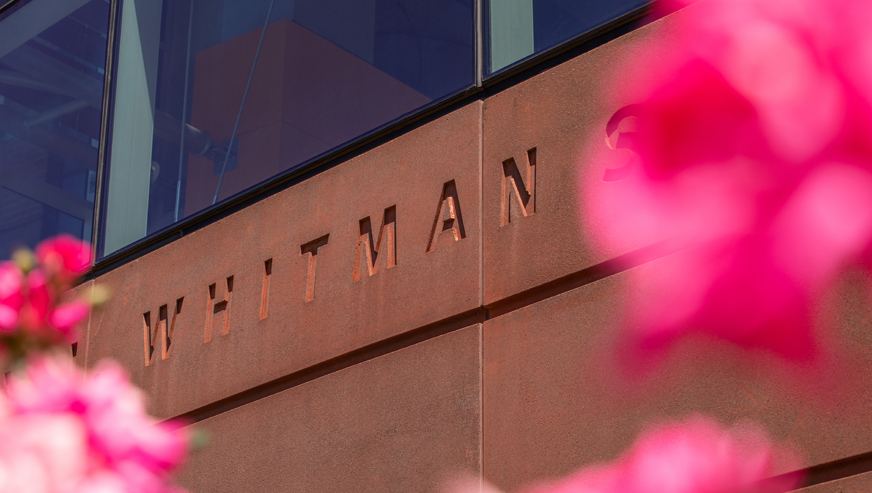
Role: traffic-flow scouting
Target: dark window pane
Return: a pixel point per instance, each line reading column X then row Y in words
column 520, row 28
column 325, row 73
column 52, row 57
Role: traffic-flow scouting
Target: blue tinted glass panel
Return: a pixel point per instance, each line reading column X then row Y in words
column 518, row 29
column 52, row 57
column 209, row 102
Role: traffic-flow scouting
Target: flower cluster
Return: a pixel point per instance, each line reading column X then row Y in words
column 63, row 432
column 33, row 314
column 695, row 456
column 60, row 430
column 753, row 130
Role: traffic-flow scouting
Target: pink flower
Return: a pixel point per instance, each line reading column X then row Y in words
column 42, row 453
column 11, row 298
column 37, row 303
column 65, row 257
column 754, row 142
column 8, row 318
column 41, row 315
column 125, row 445
column 60, row 430
column 36, row 311
column 66, row 318
column 694, row 456
column 699, row 456
column 10, row 285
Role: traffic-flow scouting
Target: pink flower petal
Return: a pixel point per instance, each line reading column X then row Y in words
column 8, row 318
column 127, row 447
column 695, row 456
column 65, row 318
column 64, row 256
column 753, row 145
column 10, row 285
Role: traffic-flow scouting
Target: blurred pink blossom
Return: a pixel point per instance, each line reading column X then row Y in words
column 42, row 454
column 694, row 456
column 37, row 311
column 42, row 316
column 64, row 257
column 11, row 298
column 753, row 131
column 101, row 437
column 60, row 430
column 66, row 318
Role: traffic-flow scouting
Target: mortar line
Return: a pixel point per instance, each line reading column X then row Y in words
column 481, row 291
column 88, row 332
column 333, row 365
column 814, row 475
column 843, row 468
column 450, row 324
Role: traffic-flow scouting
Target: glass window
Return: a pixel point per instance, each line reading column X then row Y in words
column 520, row 28
column 52, row 56
column 213, row 97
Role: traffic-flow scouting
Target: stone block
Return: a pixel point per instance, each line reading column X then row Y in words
column 397, row 423
column 551, row 404
column 548, row 144
column 384, row 243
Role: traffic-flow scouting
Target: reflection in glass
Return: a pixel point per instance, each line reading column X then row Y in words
column 52, row 56
column 520, row 28
column 216, row 96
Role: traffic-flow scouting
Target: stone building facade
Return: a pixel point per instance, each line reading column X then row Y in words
column 429, row 302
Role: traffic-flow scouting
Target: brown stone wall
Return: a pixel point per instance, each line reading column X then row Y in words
column 430, row 306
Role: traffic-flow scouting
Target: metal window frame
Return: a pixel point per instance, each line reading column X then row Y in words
column 262, row 190
column 105, row 119
column 10, row 7
column 482, row 86
column 537, row 58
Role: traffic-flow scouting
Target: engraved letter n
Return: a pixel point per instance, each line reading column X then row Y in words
column 516, row 190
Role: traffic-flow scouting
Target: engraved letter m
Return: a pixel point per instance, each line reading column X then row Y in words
column 384, row 247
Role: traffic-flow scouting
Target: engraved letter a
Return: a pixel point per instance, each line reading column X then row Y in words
column 515, row 191
column 385, row 246
column 448, row 217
